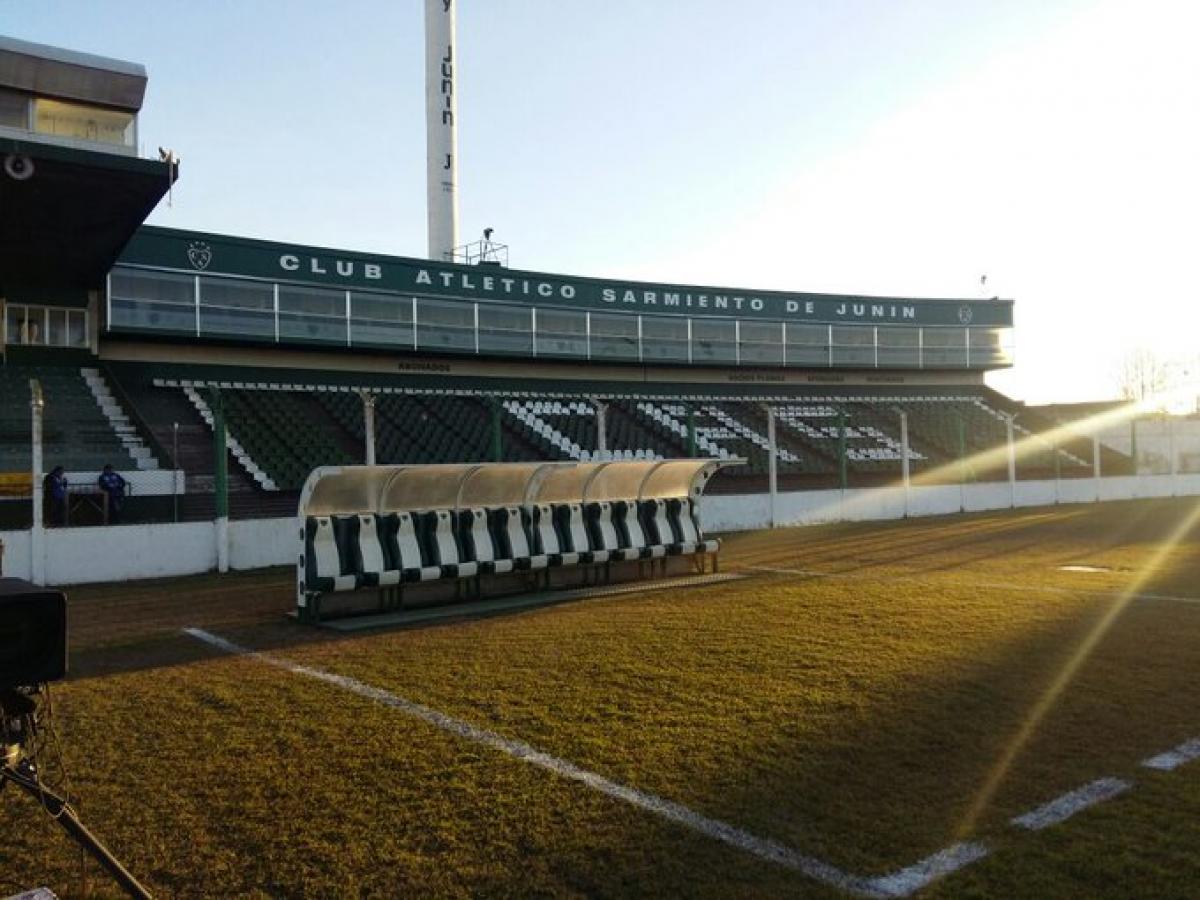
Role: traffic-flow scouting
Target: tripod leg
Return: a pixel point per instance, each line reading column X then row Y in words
column 62, row 813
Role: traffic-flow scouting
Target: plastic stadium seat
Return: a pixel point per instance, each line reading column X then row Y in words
column 599, row 517
column 509, row 524
column 444, row 544
column 374, row 564
column 479, row 544
column 574, row 532
column 404, row 551
column 630, row 532
column 546, row 538
column 329, row 558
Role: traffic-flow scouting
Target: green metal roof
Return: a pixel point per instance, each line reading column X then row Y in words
column 65, row 223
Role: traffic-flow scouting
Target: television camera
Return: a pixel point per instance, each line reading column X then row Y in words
column 33, row 652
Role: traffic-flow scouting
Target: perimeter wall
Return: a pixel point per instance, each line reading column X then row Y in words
column 128, row 552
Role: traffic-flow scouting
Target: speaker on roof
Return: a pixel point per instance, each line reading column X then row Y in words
column 18, row 166
column 33, row 634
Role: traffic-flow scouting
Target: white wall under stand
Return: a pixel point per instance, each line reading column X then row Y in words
column 129, row 552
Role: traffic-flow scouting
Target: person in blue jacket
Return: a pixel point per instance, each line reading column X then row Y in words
column 114, row 486
column 56, row 494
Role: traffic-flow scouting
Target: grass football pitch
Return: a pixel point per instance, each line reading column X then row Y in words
column 930, row 708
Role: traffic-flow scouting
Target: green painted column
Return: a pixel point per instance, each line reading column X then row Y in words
column 962, row 450
column 842, row 448
column 691, row 426
column 220, row 456
column 497, row 435
column 220, row 479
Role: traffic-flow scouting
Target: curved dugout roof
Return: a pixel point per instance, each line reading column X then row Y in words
column 341, row 490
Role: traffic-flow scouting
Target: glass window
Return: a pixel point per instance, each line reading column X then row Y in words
column 56, row 324
column 562, row 333
column 14, row 109
column 236, row 308
column 989, row 346
column 944, row 347
column 713, row 341
column 665, row 337
column 13, row 324
column 762, row 343
column 312, row 314
column 381, row 320
column 614, row 336
column 807, row 345
column 153, row 300
column 853, row 345
column 81, row 122
column 505, row 329
column 898, row 347
column 77, row 328
column 445, row 325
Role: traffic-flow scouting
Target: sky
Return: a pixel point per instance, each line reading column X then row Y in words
column 896, row 147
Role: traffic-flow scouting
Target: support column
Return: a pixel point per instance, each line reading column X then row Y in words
column 1096, row 463
column 1133, row 444
column 905, row 471
column 1174, row 456
column 177, row 478
column 601, row 426
column 1012, row 460
column 962, row 450
column 497, row 430
column 842, row 474
column 691, row 430
column 772, row 460
column 220, row 480
column 37, row 534
column 368, row 402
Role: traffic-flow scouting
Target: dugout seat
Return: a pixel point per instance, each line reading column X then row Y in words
column 375, row 564
column 604, row 533
column 686, row 526
column 629, row 528
column 479, row 544
column 403, row 545
column 511, row 529
column 330, row 558
column 443, row 545
column 547, row 541
column 575, row 535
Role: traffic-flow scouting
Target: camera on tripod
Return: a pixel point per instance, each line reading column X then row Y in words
column 33, row 651
column 33, row 634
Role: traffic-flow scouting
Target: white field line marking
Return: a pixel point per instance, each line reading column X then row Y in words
column 1062, row 808
column 994, row 585
column 915, row 877
column 899, row 884
column 1172, row 759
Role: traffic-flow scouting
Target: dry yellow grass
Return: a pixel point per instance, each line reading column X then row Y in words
column 856, row 718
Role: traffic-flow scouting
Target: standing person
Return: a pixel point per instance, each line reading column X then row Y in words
column 114, row 486
column 56, row 493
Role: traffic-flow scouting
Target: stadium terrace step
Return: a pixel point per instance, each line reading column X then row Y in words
column 282, row 430
column 231, row 442
column 141, row 455
column 75, row 432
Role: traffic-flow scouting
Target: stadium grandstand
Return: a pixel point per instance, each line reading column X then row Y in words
column 317, row 356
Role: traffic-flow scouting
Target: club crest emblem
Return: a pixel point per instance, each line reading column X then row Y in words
column 965, row 315
column 199, row 254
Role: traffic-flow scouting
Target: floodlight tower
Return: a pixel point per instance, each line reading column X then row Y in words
column 441, row 136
